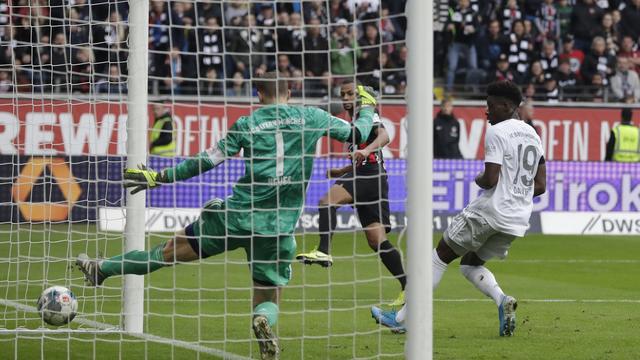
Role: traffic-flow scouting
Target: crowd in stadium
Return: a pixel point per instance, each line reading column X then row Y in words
column 557, row 50
column 561, row 50
column 203, row 47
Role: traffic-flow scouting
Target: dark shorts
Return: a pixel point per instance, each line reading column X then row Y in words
column 370, row 195
column 269, row 257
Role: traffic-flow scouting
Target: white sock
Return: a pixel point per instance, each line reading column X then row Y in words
column 484, row 280
column 401, row 314
column 439, row 267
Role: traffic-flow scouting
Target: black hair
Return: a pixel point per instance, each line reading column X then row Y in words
column 626, row 115
column 505, row 89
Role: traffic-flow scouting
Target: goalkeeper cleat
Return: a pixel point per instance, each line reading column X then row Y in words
column 399, row 301
column 91, row 270
column 315, row 257
column 266, row 339
column 507, row 315
column 388, row 319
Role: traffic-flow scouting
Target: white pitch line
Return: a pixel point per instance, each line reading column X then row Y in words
column 371, row 300
column 110, row 328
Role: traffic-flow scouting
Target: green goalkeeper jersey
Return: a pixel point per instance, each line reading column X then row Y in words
column 279, row 145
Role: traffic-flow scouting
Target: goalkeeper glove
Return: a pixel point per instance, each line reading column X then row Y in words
column 367, row 96
column 143, row 178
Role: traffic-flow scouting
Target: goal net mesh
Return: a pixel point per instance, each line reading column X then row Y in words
column 63, row 113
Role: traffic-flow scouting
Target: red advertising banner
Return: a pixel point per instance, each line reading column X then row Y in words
column 53, row 127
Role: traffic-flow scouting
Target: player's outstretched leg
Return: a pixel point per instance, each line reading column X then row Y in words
column 138, row 262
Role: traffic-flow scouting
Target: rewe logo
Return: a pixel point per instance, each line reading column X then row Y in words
column 45, row 211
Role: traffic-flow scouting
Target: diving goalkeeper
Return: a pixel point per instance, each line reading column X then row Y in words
column 279, row 143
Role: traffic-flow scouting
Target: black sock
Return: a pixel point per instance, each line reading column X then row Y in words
column 327, row 223
column 391, row 258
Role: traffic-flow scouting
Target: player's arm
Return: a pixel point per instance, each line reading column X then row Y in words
column 144, row 178
column 540, row 180
column 493, row 155
column 381, row 140
column 355, row 132
column 489, row 177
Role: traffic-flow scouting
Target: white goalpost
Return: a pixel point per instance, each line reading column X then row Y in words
column 137, row 125
column 420, row 178
column 78, row 107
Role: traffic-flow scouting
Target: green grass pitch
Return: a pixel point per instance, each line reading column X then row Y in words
column 579, row 298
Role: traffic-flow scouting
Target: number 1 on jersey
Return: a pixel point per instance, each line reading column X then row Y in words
column 279, row 154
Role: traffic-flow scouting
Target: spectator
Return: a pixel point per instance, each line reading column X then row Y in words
column 564, row 15
column 316, row 46
column 59, row 59
column 520, row 47
column 446, row 133
column 549, row 58
column 537, row 77
column 113, row 84
column 173, row 67
column 317, row 9
column 210, row 47
column 285, row 69
column 546, row 20
column 585, row 22
column 596, row 92
column 510, row 14
column 552, row 92
column 161, row 138
column 344, row 50
column 6, row 85
column 624, row 140
column 239, row 86
column 235, row 11
column 165, row 31
column 291, row 37
column 609, row 33
column 391, row 77
column 82, row 71
column 630, row 21
column 462, row 24
column 598, row 61
column 568, row 82
column 503, row 71
column 491, row 46
column 575, row 56
column 318, row 87
column 211, row 85
column 206, row 10
column 530, row 92
column 296, row 84
column 267, row 23
column 369, row 59
column 625, row 84
column 246, row 46
column 629, row 50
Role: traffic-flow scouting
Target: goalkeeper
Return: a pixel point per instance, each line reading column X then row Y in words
column 279, row 143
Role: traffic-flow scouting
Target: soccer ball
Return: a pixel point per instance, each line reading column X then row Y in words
column 57, row 305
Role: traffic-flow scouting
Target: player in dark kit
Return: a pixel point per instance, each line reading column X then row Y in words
column 364, row 185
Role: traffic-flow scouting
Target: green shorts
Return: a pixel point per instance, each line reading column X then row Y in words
column 269, row 257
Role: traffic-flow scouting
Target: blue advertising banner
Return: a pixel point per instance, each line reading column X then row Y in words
column 74, row 188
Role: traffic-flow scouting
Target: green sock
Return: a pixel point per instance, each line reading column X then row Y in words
column 269, row 310
column 138, row 262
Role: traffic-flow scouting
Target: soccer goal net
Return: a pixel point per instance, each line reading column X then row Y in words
column 65, row 97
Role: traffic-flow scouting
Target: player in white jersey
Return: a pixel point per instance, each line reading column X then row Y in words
column 514, row 173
